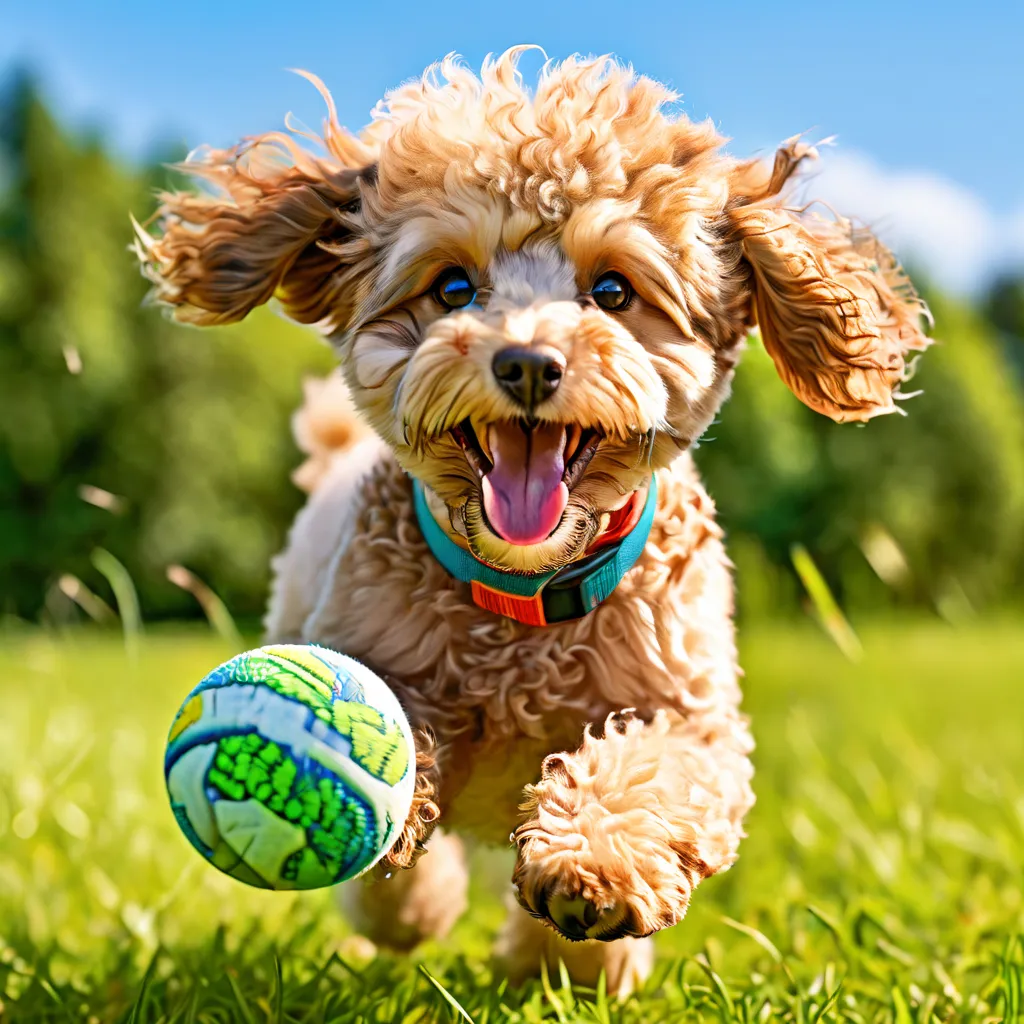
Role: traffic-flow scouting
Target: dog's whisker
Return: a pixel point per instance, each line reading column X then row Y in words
column 448, row 420
column 415, row 323
column 436, row 386
column 388, row 326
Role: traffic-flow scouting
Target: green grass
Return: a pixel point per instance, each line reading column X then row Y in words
column 881, row 881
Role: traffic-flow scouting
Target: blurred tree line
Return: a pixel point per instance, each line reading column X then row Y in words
column 120, row 430
column 99, row 395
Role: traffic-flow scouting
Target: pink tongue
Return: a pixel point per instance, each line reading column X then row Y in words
column 524, row 496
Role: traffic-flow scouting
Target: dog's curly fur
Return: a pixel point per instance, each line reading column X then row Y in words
column 611, row 747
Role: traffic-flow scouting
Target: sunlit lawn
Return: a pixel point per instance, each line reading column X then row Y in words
column 882, row 879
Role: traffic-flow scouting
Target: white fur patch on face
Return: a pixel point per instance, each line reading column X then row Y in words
column 530, row 276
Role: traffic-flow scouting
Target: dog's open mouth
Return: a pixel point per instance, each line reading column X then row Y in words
column 526, row 470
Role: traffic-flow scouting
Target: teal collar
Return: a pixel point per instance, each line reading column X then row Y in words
column 539, row 599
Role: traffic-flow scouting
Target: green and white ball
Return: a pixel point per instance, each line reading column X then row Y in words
column 291, row 767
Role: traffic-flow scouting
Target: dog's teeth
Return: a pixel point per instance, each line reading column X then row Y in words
column 483, row 439
column 572, row 441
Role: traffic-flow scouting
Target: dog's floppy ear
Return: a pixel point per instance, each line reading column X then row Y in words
column 273, row 221
column 836, row 312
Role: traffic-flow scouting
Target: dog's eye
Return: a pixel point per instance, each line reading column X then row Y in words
column 454, row 290
column 612, row 291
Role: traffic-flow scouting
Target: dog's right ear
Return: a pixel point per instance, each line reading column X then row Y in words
column 274, row 221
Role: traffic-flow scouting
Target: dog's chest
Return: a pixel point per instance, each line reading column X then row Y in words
column 483, row 785
column 498, row 695
column 460, row 668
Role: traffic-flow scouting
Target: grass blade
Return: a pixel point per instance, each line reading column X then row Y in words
column 92, row 604
column 823, row 918
column 601, row 1008
column 901, row 1009
column 759, row 937
column 825, row 605
column 829, row 1003
column 1011, row 982
column 550, row 994
column 140, row 999
column 215, row 610
column 243, row 1004
column 125, row 595
column 718, row 986
column 278, row 991
column 446, row 995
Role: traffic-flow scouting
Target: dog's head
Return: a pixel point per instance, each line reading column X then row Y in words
column 538, row 299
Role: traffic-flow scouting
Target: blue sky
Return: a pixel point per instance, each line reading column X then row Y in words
column 925, row 98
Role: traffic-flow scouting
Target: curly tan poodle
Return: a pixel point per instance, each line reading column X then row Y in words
column 538, row 299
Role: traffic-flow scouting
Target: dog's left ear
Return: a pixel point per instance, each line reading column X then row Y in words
column 836, row 312
column 273, row 222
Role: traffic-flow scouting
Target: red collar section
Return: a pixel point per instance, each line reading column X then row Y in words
column 620, row 523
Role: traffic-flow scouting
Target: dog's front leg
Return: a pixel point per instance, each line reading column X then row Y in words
column 420, row 887
column 399, row 909
column 619, row 833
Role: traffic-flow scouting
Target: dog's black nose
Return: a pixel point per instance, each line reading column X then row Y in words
column 529, row 375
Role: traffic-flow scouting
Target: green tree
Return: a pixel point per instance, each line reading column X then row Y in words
column 191, row 430
column 1004, row 307
column 946, row 480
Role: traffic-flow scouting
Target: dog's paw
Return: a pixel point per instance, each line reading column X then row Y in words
column 598, row 884
column 619, row 833
column 580, row 917
column 525, row 943
column 581, row 901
